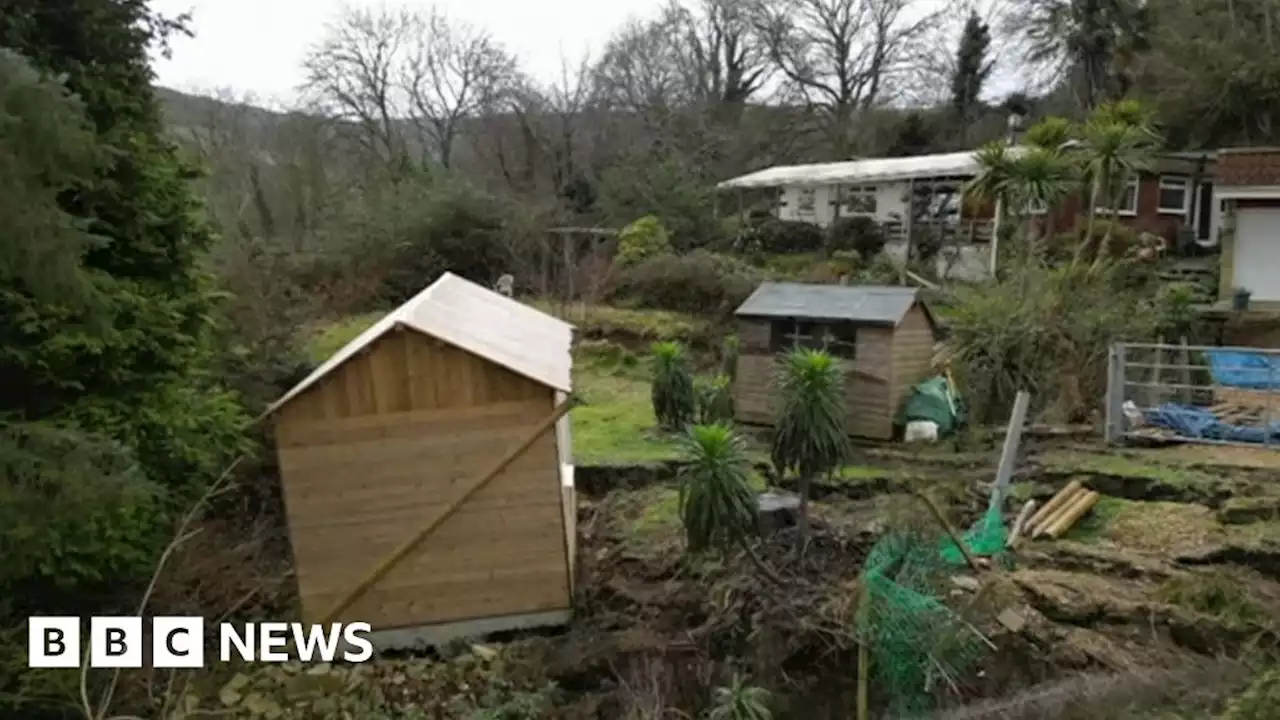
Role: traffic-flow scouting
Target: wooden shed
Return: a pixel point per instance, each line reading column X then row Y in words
column 884, row 337
column 393, row 434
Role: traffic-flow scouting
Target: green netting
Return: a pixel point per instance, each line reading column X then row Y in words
column 916, row 642
column 986, row 538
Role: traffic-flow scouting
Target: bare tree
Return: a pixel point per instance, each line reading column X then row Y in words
column 638, row 71
column 718, row 51
column 454, row 73
column 843, row 56
column 353, row 74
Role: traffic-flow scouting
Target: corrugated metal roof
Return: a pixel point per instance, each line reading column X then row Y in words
column 497, row 328
column 867, row 304
column 861, row 172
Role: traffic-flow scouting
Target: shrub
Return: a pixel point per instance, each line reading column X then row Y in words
column 729, row 356
column 776, row 236
column 641, row 240
column 1046, row 330
column 1124, row 240
column 861, row 234
column 672, row 393
column 699, row 282
column 714, row 399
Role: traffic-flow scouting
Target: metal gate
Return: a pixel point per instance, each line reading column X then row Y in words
column 1193, row 393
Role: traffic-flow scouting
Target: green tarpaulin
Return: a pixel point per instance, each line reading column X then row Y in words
column 936, row 401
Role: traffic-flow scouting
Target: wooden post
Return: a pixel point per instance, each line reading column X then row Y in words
column 864, row 676
column 1009, row 454
column 381, row 569
column 950, row 531
column 1184, row 373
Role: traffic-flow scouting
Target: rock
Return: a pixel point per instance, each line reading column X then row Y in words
column 966, row 582
column 777, row 510
column 1011, row 619
column 1244, row 510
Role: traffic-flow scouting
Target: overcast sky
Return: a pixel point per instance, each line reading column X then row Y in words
column 257, row 45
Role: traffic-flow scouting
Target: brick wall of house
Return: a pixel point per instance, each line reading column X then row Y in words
column 1248, row 167
column 1149, row 217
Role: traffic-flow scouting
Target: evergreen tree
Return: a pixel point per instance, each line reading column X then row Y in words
column 972, row 67
column 136, row 365
column 913, row 137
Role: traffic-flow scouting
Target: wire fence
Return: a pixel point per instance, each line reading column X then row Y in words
column 1193, row 393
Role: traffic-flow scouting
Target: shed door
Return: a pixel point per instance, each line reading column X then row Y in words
column 1257, row 252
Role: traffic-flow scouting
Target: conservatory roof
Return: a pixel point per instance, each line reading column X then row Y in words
column 857, row 172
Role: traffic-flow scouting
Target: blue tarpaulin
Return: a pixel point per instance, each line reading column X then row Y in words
column 1190, row 421
column 1234, row 368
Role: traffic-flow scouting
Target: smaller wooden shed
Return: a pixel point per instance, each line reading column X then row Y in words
column 394, row 433
column 884, row 337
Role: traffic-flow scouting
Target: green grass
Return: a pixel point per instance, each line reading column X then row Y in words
column 1093, row 526
column 643, row 323
column 616, row 425
column 1126, row 466
column 329, row 339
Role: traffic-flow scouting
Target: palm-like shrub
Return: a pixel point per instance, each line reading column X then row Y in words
column 715, row 399
column 717, row 504
column 740, row 701
column 729, row 353
column 811, row 433
column 674, row 401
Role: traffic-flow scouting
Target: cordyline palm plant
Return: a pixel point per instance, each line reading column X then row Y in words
column 1040, row 177
column 717, row 505
column 1117, row 143
column 672, row 393
column 810, row 436
column 715, row 399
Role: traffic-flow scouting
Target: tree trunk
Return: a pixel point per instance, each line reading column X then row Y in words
column 1104, row 247
column 1090, row 214
column 806, row 482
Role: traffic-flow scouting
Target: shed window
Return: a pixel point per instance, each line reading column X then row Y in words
column 806, row 201
column 838, row 338
column 1173, row 194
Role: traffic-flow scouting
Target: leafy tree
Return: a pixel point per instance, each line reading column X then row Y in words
column 642, row 240
column 1091, row 42
column 811, row 436
column 914, row 137
column 717, row 505
column 973, row 67
column 673, row 394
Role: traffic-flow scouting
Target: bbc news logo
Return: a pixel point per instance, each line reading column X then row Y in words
column 179, row 642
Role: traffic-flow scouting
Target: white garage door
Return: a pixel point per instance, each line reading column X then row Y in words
column 1257, row 252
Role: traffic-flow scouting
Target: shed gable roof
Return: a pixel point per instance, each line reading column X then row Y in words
column 492, row 326
column 864, row 304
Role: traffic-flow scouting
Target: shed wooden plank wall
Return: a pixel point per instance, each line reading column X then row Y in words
column 388, row 440
column 867, row 384
column 868, row 380
column 913, row 348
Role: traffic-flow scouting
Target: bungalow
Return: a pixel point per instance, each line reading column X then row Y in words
column 1178, row 194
